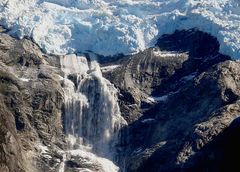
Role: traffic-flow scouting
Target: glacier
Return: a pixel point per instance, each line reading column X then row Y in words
column 110, row 27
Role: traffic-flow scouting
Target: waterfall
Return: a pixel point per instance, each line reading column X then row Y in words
column 92, row 115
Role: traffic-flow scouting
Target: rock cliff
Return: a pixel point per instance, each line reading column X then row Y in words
column 31, row 101
column 181, row 100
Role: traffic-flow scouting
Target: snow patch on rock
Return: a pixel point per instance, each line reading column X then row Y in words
column 109, row 68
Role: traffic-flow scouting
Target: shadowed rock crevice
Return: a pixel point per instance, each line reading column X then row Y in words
column 220, row 154
column 202, row 50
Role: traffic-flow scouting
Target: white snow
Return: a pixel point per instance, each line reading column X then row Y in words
column 164, row 98
column 62, row 165
column 137, row 151
column 158, row 99
column 87, row 159
column 109, row 68
column 110, row 27
column 148, row 120
column 189, row 77
column 158, row 52
column 44, row 149
column 24, row 79
column 90, row 158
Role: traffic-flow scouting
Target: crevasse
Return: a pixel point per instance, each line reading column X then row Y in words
column 110, row 27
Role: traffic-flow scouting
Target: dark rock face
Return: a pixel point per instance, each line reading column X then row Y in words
column 186, row 122
column 30, row 104
column 160, row 70
column 180, row 98
column 11, row 157
column 139, row 75
column 196, row 92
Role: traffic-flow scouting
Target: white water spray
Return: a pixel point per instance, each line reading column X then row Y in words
column 92, row 115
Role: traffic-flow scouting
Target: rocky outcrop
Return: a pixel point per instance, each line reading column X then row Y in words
column 186, row 94
column 186, row 122
column 181, row 100
column 31, row 98
column 157, row 71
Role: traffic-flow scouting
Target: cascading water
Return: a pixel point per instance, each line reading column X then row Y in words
column 92, row 115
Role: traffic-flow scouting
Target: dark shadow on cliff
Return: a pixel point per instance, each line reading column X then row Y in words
column 173, row 122
column 203, row 51
column 220, row 155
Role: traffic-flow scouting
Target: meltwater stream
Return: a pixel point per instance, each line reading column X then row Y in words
column 92, row 116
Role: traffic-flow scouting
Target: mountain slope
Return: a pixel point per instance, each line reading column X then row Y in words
column 113, row 27
column 181, row 100
column 31, row 99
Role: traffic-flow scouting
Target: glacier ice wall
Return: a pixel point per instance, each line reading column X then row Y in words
column 110, row 27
